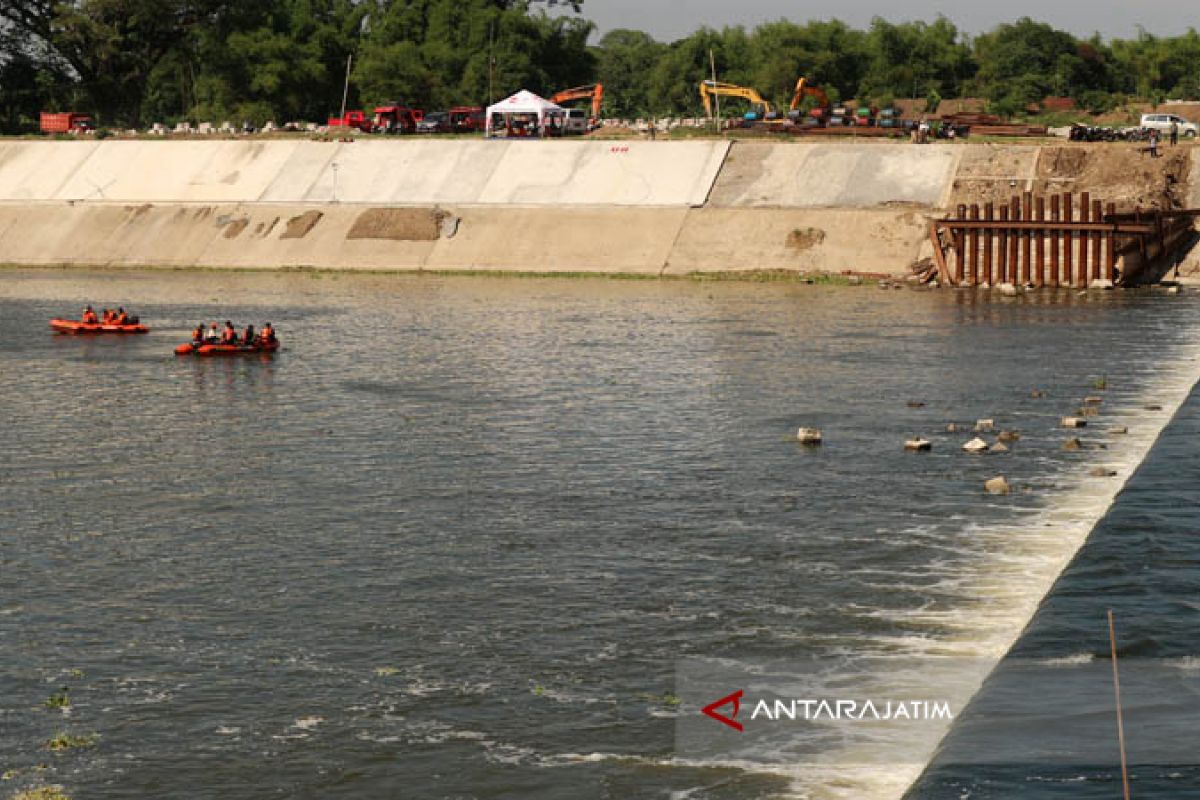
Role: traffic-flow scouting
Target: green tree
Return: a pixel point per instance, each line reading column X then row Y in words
column 108, row 48
column 1023, row 62
column 624, row 61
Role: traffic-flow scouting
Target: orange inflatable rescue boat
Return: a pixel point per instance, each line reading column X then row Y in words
column 75, row 326
column 226, row 349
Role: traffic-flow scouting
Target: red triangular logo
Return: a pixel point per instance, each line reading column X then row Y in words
column 710, row 710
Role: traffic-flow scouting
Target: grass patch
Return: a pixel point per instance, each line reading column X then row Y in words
column 773, row 276
column 70, row 741
column 727, row 276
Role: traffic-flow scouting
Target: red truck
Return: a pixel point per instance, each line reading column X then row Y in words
column 352, row 119
column 397, row 118
column 66, row 122
column 467, row 119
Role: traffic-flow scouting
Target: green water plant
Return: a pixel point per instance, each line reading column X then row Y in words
column 70, row 741
column 42, row 793
column 1100, row 383
column 60, row 700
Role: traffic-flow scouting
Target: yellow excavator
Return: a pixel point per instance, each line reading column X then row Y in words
column 761, row 107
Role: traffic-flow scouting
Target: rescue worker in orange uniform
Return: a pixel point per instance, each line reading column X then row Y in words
column 267, row 335
column 121, row 318
column 89, row 316
column 229, row 334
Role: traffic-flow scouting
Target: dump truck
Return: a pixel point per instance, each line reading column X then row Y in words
column 66, row 122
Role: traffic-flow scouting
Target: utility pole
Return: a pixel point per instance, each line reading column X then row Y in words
column 346, row 86
column 712, row 62
column 491, row 63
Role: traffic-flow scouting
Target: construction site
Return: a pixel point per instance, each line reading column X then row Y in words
column 866, row 208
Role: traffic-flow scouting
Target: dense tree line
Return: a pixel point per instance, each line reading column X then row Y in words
column 135, row 61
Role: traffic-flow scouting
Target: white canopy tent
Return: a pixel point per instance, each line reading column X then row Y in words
column 525, row 114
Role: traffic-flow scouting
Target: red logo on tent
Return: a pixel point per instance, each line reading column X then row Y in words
column 710, row 710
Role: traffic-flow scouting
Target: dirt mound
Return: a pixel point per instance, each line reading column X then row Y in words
column 1117, row 172
column 1124, row 174
column 398, row 224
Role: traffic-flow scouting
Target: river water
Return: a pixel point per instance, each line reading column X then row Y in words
column 456, row 538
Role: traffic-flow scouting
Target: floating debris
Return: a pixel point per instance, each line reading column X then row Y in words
column 1008, row 436
column 985, row 425
column 997, row 485
column 918, row 445
column 1072, row 444
column 1073, row 422
column 916, row 404
column 809, row 436
column 1118, row 429
column 1093, row 400
column 1102, row 472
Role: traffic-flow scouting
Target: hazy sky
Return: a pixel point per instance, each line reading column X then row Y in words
column 668, row 20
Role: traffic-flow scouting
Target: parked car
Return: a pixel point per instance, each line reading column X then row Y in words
column 1163, row 123
column 435, row 122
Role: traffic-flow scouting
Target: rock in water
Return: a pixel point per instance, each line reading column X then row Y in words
column 1102, row 472
column 997, row 485
column 976, row 445
column 1008, row 436
column 1119, row 429
column 998, row 447
column 984, row 425
column 809, row 436
column 918, row 445
column 1072, row 444
column 1073, row 422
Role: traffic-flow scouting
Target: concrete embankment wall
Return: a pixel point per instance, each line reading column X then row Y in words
column 559, row 206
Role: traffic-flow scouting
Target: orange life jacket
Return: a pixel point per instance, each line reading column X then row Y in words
column 123, row 319
column 89, row 318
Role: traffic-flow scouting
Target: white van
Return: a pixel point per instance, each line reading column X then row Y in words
column 576, row 123
column 1163, row 123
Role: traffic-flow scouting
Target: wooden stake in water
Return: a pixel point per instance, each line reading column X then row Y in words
column 1112, row 639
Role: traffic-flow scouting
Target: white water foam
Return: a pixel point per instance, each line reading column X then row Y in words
column 1018, row 562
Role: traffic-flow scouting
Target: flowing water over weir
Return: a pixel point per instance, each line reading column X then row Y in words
column 456, row 538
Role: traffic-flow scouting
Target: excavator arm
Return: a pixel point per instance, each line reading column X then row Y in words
column 805, row 89
column 711, row 89
column 595, row 91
